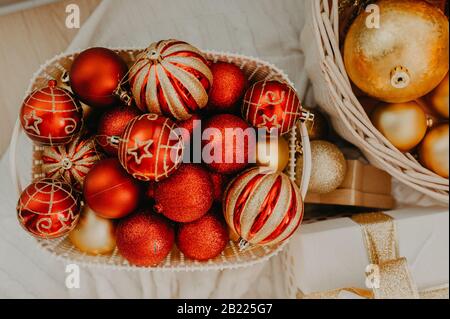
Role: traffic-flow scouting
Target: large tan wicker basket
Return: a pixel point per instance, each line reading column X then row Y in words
column 25, row 158
column 333, row 92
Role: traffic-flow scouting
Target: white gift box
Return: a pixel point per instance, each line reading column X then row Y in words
column 331, row 254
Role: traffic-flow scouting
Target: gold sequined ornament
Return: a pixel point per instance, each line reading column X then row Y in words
column 318, row 128
column 403, row 124
column 434, row 150
column 438, row 99
column 273, row 153
column 405, row 57
column 93, row 235
column 328, row 167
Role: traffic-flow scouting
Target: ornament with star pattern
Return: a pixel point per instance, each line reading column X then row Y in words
column 150, row 149
column 272, row 105
column 71, row 162
column 51, row 115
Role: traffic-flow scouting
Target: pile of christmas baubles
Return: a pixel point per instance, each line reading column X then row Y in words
column 147, row 156
column 397, row 55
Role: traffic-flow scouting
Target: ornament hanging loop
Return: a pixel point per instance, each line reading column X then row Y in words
column 243, row 244
column 307, row 116
column 123, row 96
column 400, row 78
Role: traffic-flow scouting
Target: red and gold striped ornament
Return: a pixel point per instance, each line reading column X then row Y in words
column 48, row 208
column 51, row 115
column 272, row 105
column 71, row 162
column 172, row 78
column 151, row 147
column 262, row 207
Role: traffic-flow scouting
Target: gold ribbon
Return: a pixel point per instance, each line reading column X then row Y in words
column 390, row 278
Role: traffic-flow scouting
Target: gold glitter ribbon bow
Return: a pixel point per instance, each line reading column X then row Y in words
column 389, row 276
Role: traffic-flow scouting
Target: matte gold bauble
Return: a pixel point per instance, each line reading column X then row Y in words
column 317, row 129
column 438, row 99
column 273, row 153
column 405, row 57
column 434, row 151
column 328, row 168
column 94, row 235
column 403, row 124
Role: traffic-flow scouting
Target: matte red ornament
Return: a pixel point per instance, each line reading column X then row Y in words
column 204, row 238
column 109, row 191
column 272, row 105
column 94, row 76
column 188, row 127
column 228, row 88
column 151, row 148
column 220, row 183
column 71, row 162
column 263, row 208
column 232, row 157
column 111, row 126
column 51, row 115
column 186, row 195
column 145, row 239
column 172, row 78
column 48, row 209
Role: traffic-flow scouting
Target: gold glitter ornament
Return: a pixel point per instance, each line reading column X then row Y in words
column 434, row 150
column 273, row 153
column 405, row 57
column 328, row 167
column 403, row 124
column 93, row 235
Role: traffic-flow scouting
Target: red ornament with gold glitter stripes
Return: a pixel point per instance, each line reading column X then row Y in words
column 262, row 207
column 172, row 78
column 272, row 105
column 151, row 148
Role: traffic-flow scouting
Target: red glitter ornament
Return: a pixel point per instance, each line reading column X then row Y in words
column 186, row 195
column 48, row 209
column 224, row 154
column 228, row 88
column 220, row 183
column 171, row 77
column 188, row 127
column 144, row 239
column 70, row 162
column 94, row 76
column 51, row 116
column 150, row 148
column 109, row 191
column 111, row 126
column 204, row 238
column 263, row 208
column 272, row 105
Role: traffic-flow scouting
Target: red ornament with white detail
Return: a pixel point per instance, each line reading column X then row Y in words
column 171, row 77
column 71, row 162
column 48, row 208
column 151, row 147
column 51, row 115
column 272, row 105
column 263, row 208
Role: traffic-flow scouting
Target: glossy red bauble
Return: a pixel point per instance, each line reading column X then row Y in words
column 204, row 238
column 109, row 191
column 48, row 209
column 172, row 78
column 94, row 76
column 228, row 88
column 111, row 126
column 186, row 195
column 272, row 105
column 71, row 162
column 51, row 115
column 151, row 148
column 145, row 239
column 226, row 149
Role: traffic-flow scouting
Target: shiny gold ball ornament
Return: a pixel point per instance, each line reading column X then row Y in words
column 273, row 153
column 434, row 151
column 94, row 235
column 403, row 124
column 404, row 58
column 318, row 128
column 438, row 99
column 328, row 167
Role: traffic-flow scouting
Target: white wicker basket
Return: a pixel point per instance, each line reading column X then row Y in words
column 333, row 92
column 25, row 159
